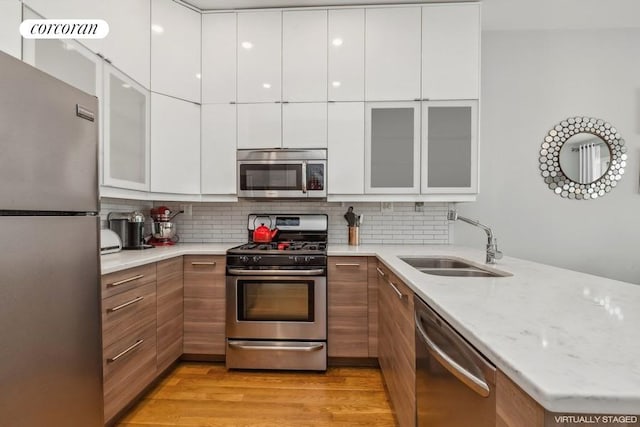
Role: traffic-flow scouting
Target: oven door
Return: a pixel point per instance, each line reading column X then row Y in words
column 277, row 307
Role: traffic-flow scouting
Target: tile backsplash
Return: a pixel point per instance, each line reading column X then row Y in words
column 227, row 222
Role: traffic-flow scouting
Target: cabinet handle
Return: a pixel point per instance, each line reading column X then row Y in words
column 203, row 263
column 348, row 265
column 232, row 102
column 397, row 291
column 285, row 102
column 122, row 282
column 125, row 351
column 380, row 272
column 123, row 305
column 417, row 99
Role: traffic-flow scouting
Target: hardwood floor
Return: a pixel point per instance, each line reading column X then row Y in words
column 206, row 394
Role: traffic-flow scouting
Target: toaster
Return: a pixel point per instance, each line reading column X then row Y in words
column 109, row 242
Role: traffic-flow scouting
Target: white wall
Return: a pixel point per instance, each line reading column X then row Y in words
column 532, row 80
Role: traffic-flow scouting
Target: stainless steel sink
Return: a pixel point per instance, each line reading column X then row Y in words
column 452, row 267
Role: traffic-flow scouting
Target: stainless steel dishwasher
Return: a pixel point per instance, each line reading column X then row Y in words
column 455, row 385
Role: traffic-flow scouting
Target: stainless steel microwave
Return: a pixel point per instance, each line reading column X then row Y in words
column 284, row 173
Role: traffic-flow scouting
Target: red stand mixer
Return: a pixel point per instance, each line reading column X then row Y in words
column 163, row 230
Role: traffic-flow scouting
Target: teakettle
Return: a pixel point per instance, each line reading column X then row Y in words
column 263, row 234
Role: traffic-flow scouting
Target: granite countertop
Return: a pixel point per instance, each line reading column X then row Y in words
column 571, row 340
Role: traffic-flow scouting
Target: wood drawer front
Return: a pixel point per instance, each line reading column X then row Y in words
column 122, row 281
column 169, row 342
column 134, row 370
column 349, row 269
column 127, row 312
column 204, row 264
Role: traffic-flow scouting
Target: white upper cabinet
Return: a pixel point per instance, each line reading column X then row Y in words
column 392, row 147
column 218, row 149
column 175, row 145
column 259, row 56
column 451, row 51
column 175, row 50
column 10, row 19
column 304, row 56
column 345, row 148
column 72, row 9
column 219, row 44
column 260, row 125
column 450, row 147
column 304, row 125
column 126, row 132
column 346, row 55
column 392, row 54
column 128, row 44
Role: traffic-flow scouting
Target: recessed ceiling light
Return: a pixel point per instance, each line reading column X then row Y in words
column 246, row 45
column 266, row 85
column 335, row 84
column 337, row 41
column 198, row 76
column 159, row 29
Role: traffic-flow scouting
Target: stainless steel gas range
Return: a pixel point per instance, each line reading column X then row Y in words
column 277, row 296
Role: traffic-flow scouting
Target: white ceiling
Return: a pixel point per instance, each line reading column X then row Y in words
column 496, row 14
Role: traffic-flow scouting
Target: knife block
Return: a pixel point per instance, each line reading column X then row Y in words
column 354, row 236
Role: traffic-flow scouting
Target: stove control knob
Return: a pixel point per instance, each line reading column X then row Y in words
column 256, row 258
column 308, row 259
column 244, row 259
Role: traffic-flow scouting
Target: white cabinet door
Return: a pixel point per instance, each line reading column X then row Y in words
column 218, row 149
column 10, row 19
column 126, row 132
column 304, row 56
column 450, row 147
column 219, row 58
column 392, row 148
column 66, row 60
column 128, row 44
column 259, row 56
column 175, row 50
column 304, row 125
column 393, row 54
column 259, row 125
column 451, row 51
column 72, row 9
column 175, row 145
column 346, row 55
column 345, row 148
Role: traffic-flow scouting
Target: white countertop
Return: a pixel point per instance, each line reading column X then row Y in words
column 570, row 340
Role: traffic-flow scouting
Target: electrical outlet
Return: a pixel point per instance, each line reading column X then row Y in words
column 419, row 207
column 187, row 210
column 386, row 207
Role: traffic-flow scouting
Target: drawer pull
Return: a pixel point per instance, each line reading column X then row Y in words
column 397, row 291
column 380, row 272
column 122, row 282
column 123, row 305
column 348, row 265
column 125, row 351
column 203, row 263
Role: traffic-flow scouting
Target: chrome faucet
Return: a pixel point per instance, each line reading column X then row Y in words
column 492, row 243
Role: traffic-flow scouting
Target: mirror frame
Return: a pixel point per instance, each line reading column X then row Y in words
column 552, row 172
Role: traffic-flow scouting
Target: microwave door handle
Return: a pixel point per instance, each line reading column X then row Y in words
column 304, row 177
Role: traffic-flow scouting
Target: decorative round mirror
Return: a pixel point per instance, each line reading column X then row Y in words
column 582, row 158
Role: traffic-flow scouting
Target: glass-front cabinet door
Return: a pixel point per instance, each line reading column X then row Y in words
column 450, row 147
column 392, row 148
column 66, row 60
column 126, row 132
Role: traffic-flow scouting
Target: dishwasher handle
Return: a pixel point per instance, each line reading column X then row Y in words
column 478, row 385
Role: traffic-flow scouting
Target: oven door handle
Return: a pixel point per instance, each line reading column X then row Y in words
column 305, row 348
column 240, row 272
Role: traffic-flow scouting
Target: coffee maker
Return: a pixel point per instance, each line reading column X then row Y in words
column 129, row 226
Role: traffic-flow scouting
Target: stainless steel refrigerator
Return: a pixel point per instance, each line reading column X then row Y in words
column 50, row 334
